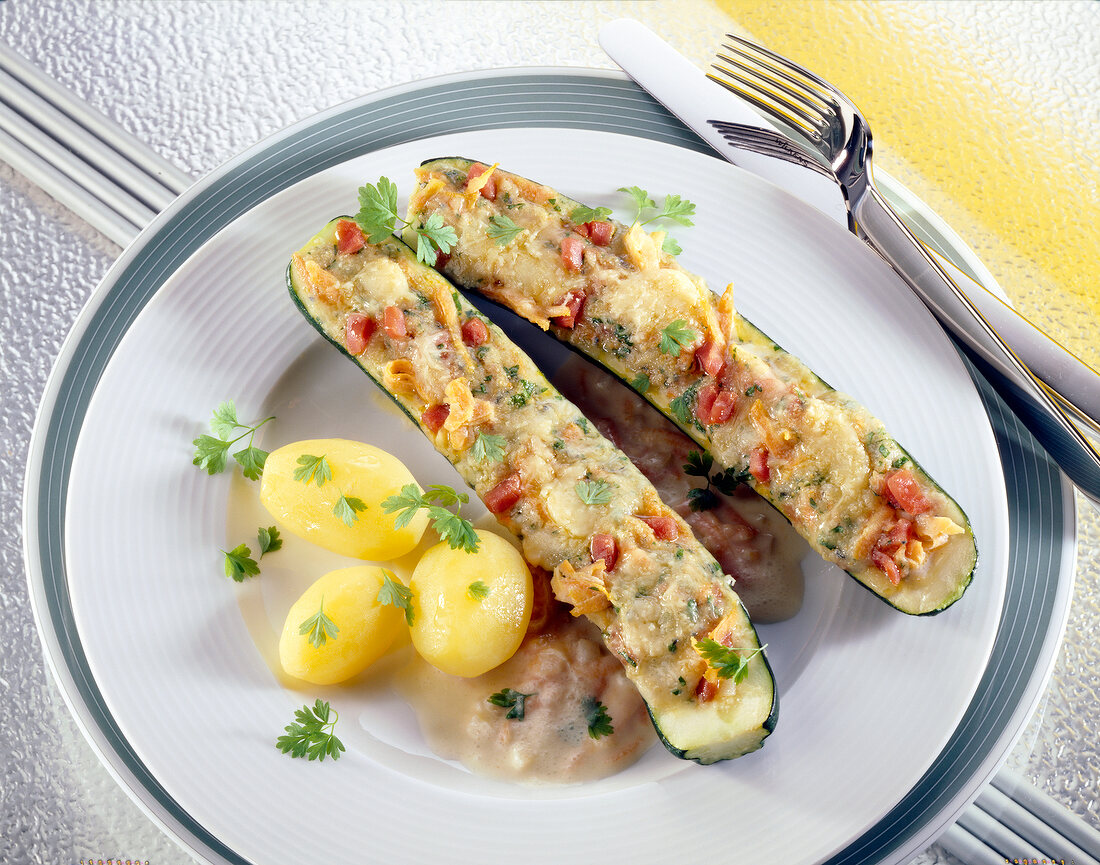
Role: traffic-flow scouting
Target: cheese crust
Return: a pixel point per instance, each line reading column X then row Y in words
column 823, row 460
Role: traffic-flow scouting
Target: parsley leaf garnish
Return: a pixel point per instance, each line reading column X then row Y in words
column 377, row 214
column 726, row 662
column 513, row 701
column 453, row 529
column 677, row 335
column 405, row 504
column 458, row 532
column 641, row 198
column 698, row 464
column 270, row 540
column 394, row 594
column 224, row 422
column 313, row 468
column 675, row 208
column 684, row 405
column 347, row 508
column 433, row 237
column 523, row 394
column 704, row 498
column 320, row 627
column 599, row 722
column 593, row 492
column 251, row 461
column 581, row 214
column 502, row 229
column 444, row 495
column 489, row 447
column 312, row 735
column 212, row 451
column 378, row 217
column 477, row 590
column 239, row 563
column 726, row 482
column 640, row 383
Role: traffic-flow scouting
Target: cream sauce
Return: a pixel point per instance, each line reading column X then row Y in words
column 563, row 667
column 752, row 541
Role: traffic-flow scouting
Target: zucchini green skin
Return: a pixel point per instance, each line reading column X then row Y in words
column 523, row 286
column 742, row 714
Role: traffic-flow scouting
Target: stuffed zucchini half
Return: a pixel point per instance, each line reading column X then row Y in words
column 611, row 292
column 579, row 507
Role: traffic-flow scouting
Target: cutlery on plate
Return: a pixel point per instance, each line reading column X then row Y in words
column 841, row 139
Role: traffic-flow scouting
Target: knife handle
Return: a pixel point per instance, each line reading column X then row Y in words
column 880, row 226
column 1067, row 378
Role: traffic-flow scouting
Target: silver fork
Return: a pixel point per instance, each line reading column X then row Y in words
column 819, row 114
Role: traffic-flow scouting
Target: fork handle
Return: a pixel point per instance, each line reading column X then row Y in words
column 1026, row 395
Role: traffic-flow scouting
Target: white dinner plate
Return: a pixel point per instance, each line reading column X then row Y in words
column 868, row 696
column 166, row 663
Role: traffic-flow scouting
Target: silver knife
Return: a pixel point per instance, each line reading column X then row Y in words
column 746, row 139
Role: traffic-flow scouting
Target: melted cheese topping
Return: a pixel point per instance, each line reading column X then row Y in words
column 822, row 459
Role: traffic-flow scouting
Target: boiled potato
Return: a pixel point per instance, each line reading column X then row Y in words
column 306, row 508
column 470, row 610
column 365, row 628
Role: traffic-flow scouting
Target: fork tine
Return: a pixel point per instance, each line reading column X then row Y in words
column 810, row 82
column 783, row 75
column 768, row 99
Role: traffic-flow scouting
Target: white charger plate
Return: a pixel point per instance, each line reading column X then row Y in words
column 157, row 657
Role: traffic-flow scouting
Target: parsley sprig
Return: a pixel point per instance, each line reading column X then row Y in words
column 378, row 217
column 683, row 407
column 581, row 214
column 512, row 700
column 313, row 468
column 593, row 491
column 270, row 540
column 599, row 722
column 726, row 662
column 437, row 498
column 675, row 208
column 319, row 627
column 395, row 594
column 316, row 469
column 478, row 591
column 347, row 508
column 312, row 734
column 677, row 335
column 212, row 451
column 725, row 482
column 503, row 230
column 489, row 447
column 239, row 563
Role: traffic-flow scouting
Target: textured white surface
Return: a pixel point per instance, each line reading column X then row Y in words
column 201, row 81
